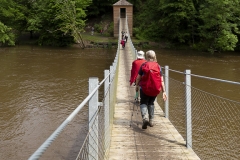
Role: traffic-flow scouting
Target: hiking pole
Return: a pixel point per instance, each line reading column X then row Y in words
column 132, row 115
column 137, row 103
column 134, row 103
column 136, row 97
column 133, row 109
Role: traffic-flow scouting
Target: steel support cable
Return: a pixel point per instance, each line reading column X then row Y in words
column 205, row 77
column 216, row 79
column 214, row 95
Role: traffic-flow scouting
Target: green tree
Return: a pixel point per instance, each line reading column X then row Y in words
column 12, row 14
column 58, row 21
column 34, row 18
column 146, row 24
column 42, row 20
column 219, row 27
column 6, row 35
column 178, row 20
column 174, row 21
column 72, row 16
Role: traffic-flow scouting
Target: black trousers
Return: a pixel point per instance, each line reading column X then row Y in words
column 145, row 99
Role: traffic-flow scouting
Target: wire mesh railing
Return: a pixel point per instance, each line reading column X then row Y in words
column 97, row 141
column 215, row 125
column 211, row 126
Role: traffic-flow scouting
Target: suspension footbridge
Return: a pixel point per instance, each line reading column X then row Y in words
column 129, row 141
column 192, row 124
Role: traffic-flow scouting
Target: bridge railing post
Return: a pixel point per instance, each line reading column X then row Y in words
column 113, row 83
column 188, row 108
column 135, row 54
column 166, row 79
column 106, row 110
column 111, row 97
column 93, row 122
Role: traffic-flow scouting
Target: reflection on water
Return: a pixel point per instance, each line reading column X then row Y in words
column 40, row 87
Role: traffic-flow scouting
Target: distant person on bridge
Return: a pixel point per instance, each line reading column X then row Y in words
column 151, row 82
column 126, row 37
column 136, row 64
column 123, row 43
column 123, row 34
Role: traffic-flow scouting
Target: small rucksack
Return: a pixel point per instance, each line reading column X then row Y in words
column 151, row 79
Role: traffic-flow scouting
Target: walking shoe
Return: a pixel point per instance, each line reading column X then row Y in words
column 151, row 123
column 145, row 124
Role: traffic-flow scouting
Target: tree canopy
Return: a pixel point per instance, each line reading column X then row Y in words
column 58, row 22
column 211, row 25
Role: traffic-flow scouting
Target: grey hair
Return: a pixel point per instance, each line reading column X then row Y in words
column 151, row 56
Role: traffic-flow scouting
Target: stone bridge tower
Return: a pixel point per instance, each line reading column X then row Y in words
column 122, row 9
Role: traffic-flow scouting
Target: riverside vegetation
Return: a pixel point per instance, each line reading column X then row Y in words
column 208, row 25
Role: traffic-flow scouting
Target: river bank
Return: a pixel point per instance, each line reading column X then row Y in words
column 97, row 40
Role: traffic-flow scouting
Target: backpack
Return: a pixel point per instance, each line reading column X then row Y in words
column 151, row 79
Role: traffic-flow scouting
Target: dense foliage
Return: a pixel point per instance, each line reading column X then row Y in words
column 211, row 25
column 57, row 22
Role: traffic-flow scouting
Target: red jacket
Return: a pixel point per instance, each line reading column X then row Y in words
column 122, row 42
column 135, row 68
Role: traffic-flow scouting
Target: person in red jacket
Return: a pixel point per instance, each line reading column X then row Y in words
column 123, row 43
column 136, row 66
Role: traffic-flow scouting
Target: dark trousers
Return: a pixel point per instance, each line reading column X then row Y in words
column 145, row 99
column 147, row 105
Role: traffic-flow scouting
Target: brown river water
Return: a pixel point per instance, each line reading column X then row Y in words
column 40, row 87
column 221, row 66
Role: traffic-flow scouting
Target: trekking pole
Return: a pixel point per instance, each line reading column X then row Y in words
column 136, row 97
column 134, row 104
column 132, row 115
column 133, row 109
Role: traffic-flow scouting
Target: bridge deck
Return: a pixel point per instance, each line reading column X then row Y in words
column 129, row 140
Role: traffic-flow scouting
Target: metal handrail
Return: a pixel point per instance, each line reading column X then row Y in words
column 205, row 77
column 54, row 135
